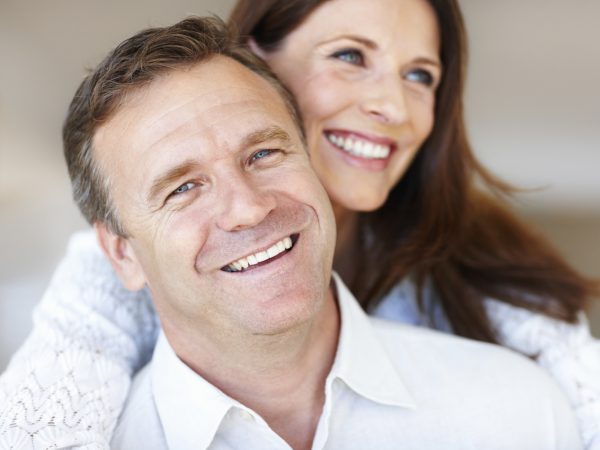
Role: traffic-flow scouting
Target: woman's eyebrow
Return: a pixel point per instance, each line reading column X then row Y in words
column 429, row 61
column 352, row 37
column 373, row 45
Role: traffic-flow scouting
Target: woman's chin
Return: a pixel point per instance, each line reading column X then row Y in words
column 360, row 203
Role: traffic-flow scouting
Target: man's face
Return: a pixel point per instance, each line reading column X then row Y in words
column 208, row 174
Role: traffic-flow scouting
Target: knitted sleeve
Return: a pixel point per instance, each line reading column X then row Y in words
column 66, row 385
column 568, row 352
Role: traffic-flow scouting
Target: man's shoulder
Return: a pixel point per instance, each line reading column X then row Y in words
column 422, row 355
column 468, row 387
column 405, row 338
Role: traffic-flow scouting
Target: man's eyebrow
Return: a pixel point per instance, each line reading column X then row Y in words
column 272, row 133
column 170, row 176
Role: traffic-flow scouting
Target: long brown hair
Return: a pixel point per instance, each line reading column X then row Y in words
column 435, row 225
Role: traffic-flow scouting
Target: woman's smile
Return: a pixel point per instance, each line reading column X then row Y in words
column 367, row 96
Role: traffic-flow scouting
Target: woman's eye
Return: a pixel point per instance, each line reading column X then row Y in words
column 184, row 188
column 351, row 56
column 420, row 76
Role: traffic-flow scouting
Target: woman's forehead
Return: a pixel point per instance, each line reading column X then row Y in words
column 385, row 23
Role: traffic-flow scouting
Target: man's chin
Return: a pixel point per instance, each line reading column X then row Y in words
column 279, row 309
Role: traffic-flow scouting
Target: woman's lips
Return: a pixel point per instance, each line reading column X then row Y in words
column 369, row 152
column 361, row 145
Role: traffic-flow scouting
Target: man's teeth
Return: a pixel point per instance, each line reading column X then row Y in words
column 358, row 147
column 271, row 252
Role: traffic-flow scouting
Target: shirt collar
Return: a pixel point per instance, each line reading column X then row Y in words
column 191, row 409
column 361, row 361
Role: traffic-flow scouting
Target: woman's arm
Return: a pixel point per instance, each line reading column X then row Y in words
column 568, row 352
column 66, row 385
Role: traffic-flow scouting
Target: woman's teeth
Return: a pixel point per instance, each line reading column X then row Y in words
column 358, row 147
column 251, row 260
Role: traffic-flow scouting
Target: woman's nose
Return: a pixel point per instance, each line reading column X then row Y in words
column 384, row 100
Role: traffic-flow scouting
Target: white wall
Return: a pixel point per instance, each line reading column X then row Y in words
column 533, row 98
column 533, row 105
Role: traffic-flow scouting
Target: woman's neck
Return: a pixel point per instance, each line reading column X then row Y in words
column 346, row 246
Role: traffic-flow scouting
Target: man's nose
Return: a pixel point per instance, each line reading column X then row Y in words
column 244, row 203
column 384, row 100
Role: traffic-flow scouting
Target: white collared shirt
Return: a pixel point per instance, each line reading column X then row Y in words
column 390, row 387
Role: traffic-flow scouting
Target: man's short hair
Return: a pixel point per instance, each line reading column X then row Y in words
column 135, row 63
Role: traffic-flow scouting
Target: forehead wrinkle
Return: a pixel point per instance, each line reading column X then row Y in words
column 166, row 125
column 202, row 132
column 193, row 115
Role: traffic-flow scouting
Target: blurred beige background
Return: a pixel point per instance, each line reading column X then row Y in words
column 533, row 106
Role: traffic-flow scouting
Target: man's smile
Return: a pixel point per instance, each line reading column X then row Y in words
column 262, row 257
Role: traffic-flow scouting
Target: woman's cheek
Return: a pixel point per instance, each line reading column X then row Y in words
column 323, row 97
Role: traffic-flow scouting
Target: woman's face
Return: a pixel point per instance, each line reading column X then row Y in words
column 364, row 74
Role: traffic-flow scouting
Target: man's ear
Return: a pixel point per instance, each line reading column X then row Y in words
column 119, row 252
column 255, row 48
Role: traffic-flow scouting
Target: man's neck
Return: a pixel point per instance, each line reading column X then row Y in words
column 281, row 377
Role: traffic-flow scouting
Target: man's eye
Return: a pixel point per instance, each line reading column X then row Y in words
column 184, row 188
column 350, row 55
column 420, row 76
column 260, row 155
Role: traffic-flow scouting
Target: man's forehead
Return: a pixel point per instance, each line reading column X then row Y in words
column 215, row 96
